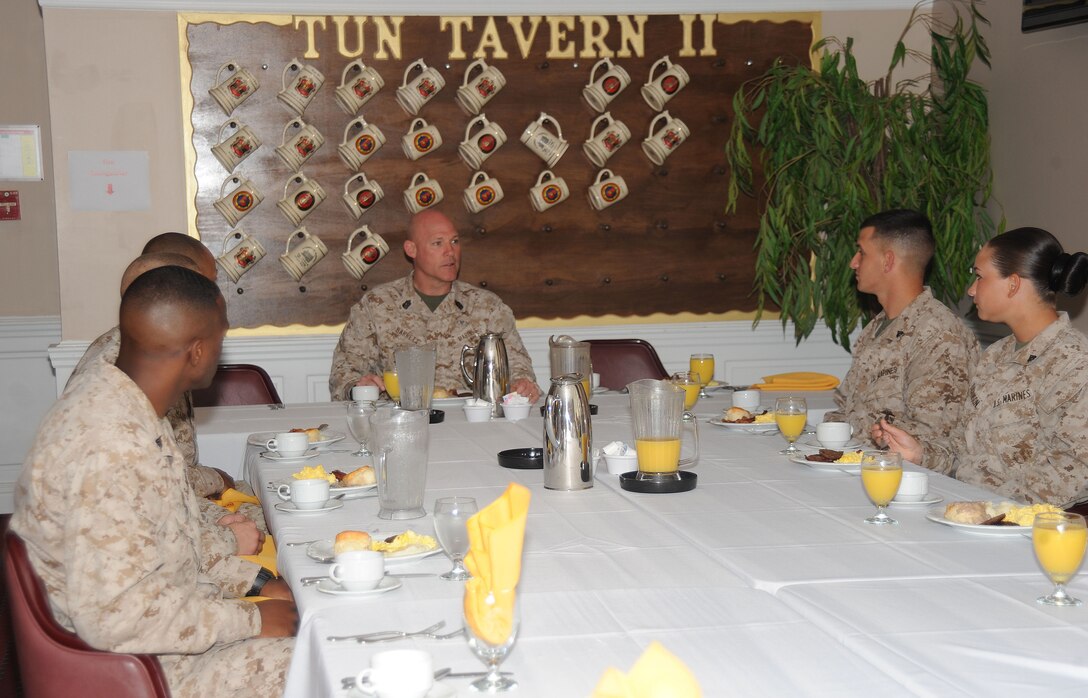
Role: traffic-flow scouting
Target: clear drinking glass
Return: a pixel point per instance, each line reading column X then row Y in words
column 702, row 365
column 415, row 370
column 881, row 473
column 359, row 425
column 790, row 414
column 492, row 654
column 450, row 516
column 1059, row 540
column 689, row 381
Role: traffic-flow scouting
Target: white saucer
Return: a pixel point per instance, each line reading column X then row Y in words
column 311, row 452
column 290, row 508
column 809, row 441
column 327, row 586
column 438, row 690
column 926, row 501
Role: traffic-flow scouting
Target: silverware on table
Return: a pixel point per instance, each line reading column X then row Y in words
column 300, row 542
column 307, row 581
column 386, row 634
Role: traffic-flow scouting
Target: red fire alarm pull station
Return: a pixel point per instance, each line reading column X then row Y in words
column 9, row 206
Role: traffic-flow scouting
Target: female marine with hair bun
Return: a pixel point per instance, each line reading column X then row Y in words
column 1023, row 431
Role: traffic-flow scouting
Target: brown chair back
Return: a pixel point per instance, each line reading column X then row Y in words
column 238, row 384
column 620, row 361
column 54, row 662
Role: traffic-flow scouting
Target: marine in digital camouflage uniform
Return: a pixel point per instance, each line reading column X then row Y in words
column 916, row 370
column 1023, row 432
column 393, row 316
column 114, row 531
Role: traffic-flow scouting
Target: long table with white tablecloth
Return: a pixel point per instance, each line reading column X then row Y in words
column 763, row 580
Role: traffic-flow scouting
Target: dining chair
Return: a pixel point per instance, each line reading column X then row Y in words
column 620, row 361
column 238, row 384
column 53, row 661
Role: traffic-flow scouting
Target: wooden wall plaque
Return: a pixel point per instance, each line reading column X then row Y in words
column 666, row 248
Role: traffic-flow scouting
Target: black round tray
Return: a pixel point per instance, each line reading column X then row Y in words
column 437, row 416
column 522, row 458
column 631, row 483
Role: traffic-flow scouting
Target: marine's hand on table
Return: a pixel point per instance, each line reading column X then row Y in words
column 526, row 387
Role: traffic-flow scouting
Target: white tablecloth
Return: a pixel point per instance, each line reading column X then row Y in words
column 763, row 579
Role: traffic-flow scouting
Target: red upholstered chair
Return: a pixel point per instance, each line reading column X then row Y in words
column 238, row 384
column 54, row 662
column 620, row 361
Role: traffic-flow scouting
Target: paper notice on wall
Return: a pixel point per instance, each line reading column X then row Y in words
column 109, row 180
column 20, row 153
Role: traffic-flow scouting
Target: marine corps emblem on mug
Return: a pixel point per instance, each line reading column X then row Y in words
column 422, row 139
column 603, row 143
column 236, row 88
column 666, row 79
column 300, row 88
column 242, row 199
column 482, row 139
column 243, row 254
column 307, row 252
column 547, row 143
column 361, row 194
column 355, row 151
column 231, row 150
column 666, row 134
column 295, row 150
column 477, row 90
column 549, row 191
column 357, row 88
column 607, row 189
column 422, row 193
column 483, row 191
column 301, row 195
column 367, row 253
column 415, row 92
column 604, row 87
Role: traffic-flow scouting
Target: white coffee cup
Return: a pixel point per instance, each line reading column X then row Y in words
column 289, row 443
column 306, row 494
column 834, row 435
column 913, row 487
column 747, row 399
column 397, row 674
column 364, row 393
column 596, row 381
column 358, row 570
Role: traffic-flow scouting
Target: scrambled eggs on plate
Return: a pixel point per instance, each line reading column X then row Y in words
column 407, row 543
column 314, row 472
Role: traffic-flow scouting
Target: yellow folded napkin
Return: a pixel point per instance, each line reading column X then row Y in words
column 658, row 673
column 798, row 380
column 230, row 499
column 496, row 534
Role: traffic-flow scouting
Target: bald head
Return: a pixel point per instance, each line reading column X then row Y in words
column 426, row 221
column 147, row 262
column 178, row 243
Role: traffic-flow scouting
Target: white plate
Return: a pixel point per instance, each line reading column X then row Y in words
column 753, row 428
column 924, row 502
column 289, row 508
column 260, row 438
column 438, row 690
column 852, row 468
column 311, row 452
column 937, row 516
column 322, row 551
column 809, row 441
column 444, row 402
column 327, row 586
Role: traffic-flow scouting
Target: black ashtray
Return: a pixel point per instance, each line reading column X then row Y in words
column 666, row 485
column 592, row 409
column 522, row 458
column 437, row 416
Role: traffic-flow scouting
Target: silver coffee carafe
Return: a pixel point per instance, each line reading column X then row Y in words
column 490, row 375
column 568, row 435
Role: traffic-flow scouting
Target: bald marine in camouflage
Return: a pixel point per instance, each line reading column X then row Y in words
column 912, row 361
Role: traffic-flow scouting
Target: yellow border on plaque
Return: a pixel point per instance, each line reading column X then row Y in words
column 815, row 20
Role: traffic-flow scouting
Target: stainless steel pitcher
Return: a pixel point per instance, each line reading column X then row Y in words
column 568, row 435
column 490, row 375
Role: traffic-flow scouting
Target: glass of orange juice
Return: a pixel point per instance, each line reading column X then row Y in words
column 392, row 384
column 690, row 383
column 1059, row 540
column 702, row 366
column 881, row 473
column 791, row 414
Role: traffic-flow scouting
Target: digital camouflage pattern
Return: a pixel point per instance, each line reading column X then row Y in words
column 393, row 316
column 113, row 529
column 917, row 370
column 1024, row 427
